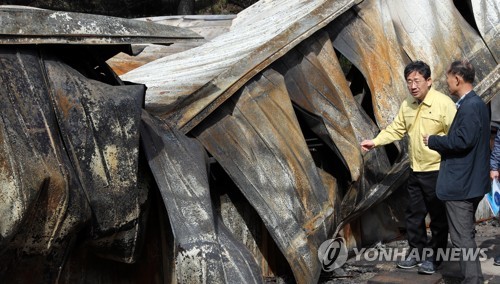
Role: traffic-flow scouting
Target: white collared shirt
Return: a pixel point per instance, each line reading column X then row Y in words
column 459, row 102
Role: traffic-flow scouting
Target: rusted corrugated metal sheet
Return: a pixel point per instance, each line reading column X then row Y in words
column 199, row 80
column 317, row 95
column 315, row 82
column 366, row 37
column 55, row 27
column 257, row 140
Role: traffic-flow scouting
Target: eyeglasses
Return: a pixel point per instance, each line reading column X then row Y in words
column 410, row 83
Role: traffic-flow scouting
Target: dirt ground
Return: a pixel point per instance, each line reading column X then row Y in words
column 361, row 271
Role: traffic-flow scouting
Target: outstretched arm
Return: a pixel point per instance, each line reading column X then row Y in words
column 367, row 145
column 393, row 132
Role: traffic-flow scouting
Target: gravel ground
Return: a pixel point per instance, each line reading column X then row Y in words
column 360, row 271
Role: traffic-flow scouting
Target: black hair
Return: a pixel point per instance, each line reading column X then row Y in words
column 419, row 66
column 464, row 69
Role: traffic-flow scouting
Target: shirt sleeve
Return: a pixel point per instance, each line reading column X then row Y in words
column 393, row 132
column 495, row 154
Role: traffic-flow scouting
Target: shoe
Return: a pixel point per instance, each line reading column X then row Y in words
column 427, row 267
column 496, row 261
column 408, row 263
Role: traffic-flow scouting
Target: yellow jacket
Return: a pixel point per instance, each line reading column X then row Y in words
column 433, row 116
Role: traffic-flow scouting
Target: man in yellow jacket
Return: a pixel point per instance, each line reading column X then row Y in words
column 426, row 111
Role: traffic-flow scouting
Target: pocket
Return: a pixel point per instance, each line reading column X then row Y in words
column 458, row 175
column 431, row 123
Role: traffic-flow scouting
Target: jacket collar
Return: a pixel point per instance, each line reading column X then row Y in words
column 429, row 98
column 465, row 97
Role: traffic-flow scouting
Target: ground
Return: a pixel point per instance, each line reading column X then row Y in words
column 363, row 271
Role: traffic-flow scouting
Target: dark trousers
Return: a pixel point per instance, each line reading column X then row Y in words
column 462, row 233
column 423, row 200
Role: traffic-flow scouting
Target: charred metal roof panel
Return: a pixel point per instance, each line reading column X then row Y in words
column 207, row 26
column 378, row 56
column 187, row 86
column 436, row 32
column 55, row 27
column 487, row 17
column 178, row 164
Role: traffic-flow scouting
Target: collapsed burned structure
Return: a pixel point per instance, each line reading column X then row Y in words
column 231, row 161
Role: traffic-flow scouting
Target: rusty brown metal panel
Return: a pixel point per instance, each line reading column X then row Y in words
column 366, row 37
column 393, row 180
column 319, row 52
column 256, row 138
column 205, row 251
column 187, row 87
column 310, row 89
column 434, row 31
column 315, row 82
column 318, row 49
column 381, row 62
column 56, row 27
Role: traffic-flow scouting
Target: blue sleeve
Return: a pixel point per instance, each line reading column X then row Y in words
column 495, row 154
